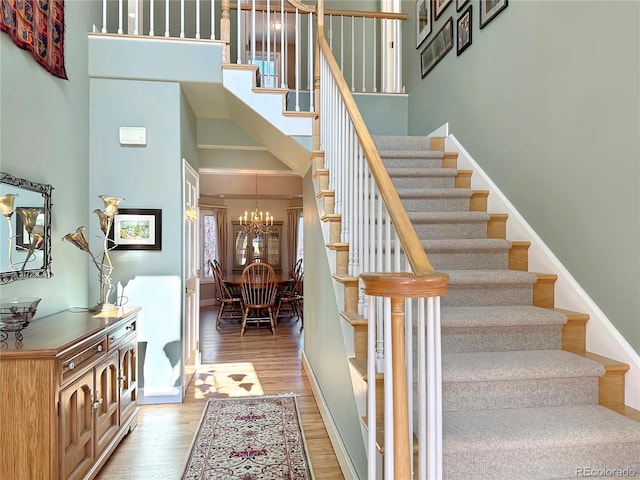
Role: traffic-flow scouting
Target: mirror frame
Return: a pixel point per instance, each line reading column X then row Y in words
column 45, row 191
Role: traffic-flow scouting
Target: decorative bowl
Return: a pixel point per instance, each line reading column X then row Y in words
column 16, row 312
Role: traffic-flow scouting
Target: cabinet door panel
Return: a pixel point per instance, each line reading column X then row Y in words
column 128, row 381
column 106, row 402
column 76, row 428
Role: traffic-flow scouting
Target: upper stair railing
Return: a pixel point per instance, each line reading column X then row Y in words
column 276, row 35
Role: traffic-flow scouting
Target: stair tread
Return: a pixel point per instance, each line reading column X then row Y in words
column 438, row 217
column 433, row 192
column 480, row 277
column 466, row 244
column 516, row 365
column 518, row 315
column 393, row 153
column 540, row 427
column 421, row 172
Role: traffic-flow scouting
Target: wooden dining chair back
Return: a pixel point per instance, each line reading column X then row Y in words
column 291, row 298
column 229, row 300
column 259, row 289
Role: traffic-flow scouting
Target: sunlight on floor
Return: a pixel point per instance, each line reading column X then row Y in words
column 227, row 380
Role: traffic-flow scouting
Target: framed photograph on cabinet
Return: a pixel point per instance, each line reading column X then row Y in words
column 423, row 21
column 137, row 229
column 464, row 31
column 439, row 6
column 489, row 9
column 460, row 4
column 437, row 48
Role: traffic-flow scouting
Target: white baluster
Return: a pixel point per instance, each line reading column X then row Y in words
column 268, row 63
column 310, row 62
column 282, row 45
column 136, row 13
column 364, row 53
column 239, row 28
column 253, row 32
column 353, row 52
column 375, row 55
column 371, row 392
column 151, row 18
column 120, row 21
column 181, row 18
column 388, row 391
column 104, row 16
column 422, row 392
column 342, row 43
column 198, row 18
column 166, row 18
column 297, row 59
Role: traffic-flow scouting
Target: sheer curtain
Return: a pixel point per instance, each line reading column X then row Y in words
column 220, row 214
column 293, row 217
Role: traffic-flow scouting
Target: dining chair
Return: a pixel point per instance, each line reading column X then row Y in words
column 291, row 298
column 227, row 298
column 259, row 288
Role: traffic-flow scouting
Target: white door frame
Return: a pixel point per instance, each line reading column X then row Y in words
column 190, row 273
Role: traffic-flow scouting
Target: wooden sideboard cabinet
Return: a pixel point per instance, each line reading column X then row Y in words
column 67, row 394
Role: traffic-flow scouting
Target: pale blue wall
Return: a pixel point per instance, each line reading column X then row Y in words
column 147, row 176
column 44, row 130
column 547, row 100
column 323, row 337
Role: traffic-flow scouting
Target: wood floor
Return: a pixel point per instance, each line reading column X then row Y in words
column 255, row 364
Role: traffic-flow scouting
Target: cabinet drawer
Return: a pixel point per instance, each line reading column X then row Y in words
column 118, row 335
column 75, row 361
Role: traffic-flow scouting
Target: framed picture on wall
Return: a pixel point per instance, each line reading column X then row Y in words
column 137, row 229
column 464, row 31
column 439, row 6
column 423, row 21
column 437, row 48
column 489, row 9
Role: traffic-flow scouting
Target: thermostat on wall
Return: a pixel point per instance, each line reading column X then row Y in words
column 133, row 136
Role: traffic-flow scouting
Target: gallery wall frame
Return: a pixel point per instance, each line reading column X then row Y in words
column 464, row 31
column 423, row 21
column 437, row 48
column 439, row 6
column 137, row 229
column 489, row 9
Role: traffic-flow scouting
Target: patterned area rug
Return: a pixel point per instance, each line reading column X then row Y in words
column 249, row 438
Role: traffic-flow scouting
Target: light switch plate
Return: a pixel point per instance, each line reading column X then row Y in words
column 133, row 136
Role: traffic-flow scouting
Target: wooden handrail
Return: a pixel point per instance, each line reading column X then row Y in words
column 312, row 9
column 408, row 238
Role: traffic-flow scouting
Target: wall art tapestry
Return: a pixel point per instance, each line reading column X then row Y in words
column 37, row 26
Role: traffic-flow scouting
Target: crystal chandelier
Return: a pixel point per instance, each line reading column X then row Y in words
column 256, row 223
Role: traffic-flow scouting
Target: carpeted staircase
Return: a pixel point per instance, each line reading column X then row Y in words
column 516, row 406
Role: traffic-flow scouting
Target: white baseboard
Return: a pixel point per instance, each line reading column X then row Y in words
column 602, row 337
column 348, row 471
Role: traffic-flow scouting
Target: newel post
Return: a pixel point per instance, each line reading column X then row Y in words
column 399, row 286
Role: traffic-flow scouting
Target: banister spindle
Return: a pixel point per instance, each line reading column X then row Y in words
column 375, row 56
column 136, row 12
column 297, row 59
column 120, row 21
column 282, row 45
column 166, row 18
column 353, row 52
column 104, row 16
column 310, row 61
column 239, row 45
column 151, row 19
column 181, row 18
column 364, row 53
column 198, row 18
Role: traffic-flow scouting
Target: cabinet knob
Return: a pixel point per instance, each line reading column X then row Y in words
column 69, row 365
column 129, row 327
column 98, row 348
column 97, row 404
column 112, row 338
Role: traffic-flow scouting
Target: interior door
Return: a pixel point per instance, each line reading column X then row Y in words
column 191, row 330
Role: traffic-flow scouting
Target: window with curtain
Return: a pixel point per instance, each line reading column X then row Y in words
column 209, row 244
